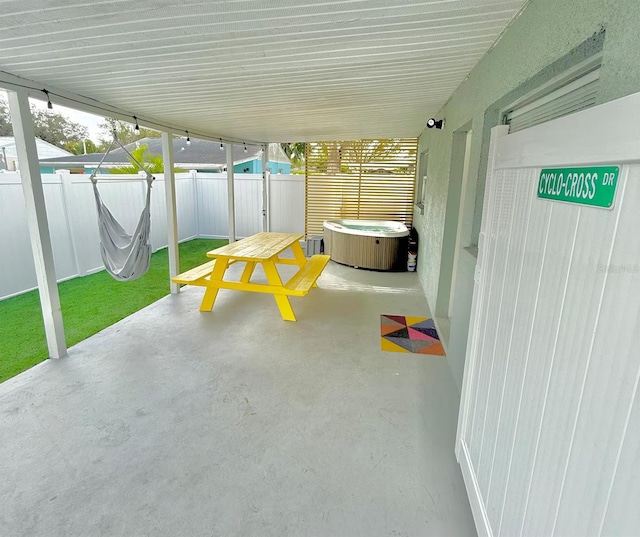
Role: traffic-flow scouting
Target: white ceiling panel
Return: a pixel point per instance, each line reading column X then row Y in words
column 258, row 70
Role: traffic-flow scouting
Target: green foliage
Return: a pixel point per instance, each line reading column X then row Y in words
column 56, row 129
column 89, row 304
column 296, row 152
column 124, row 131
column 6, row 129
column 150, row 161
column 78, row 148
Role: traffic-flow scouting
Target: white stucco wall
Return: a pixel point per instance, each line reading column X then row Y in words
column 546, row 38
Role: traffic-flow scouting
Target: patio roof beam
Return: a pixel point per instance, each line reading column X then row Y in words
column 231, row 194
column 31, row 179
column 172, row 215
column 69, row 99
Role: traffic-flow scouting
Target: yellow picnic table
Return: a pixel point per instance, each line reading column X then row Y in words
column 264, row 248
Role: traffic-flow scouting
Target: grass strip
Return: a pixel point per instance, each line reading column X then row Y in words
column 89, row 304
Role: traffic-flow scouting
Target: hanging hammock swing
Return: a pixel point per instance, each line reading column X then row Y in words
column 126, row 257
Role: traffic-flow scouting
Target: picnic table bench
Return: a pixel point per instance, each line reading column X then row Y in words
column 264, row 248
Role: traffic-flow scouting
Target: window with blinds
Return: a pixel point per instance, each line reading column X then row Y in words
column 363, row 179
column 572, row 97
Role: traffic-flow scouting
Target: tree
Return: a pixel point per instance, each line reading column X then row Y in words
column 366, row 156
column 81, row 147
column 6, row 128
column 57, row 129
column 295, row 151
column 124, row 131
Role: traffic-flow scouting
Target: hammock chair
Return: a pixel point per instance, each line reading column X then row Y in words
column 126, row 257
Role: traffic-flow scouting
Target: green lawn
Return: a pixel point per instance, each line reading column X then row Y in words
column 89, row 304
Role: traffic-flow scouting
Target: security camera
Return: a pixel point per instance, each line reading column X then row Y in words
column 437, row 123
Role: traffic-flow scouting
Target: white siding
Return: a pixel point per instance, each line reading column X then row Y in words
column 549, row 430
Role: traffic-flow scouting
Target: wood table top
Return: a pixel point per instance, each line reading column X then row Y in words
column 261, row 246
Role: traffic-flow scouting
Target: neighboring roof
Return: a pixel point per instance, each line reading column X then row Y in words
column 290, row 71
column 45, row 149
column 200, row 154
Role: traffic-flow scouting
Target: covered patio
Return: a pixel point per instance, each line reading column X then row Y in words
column 174, row 422
column 234, row 422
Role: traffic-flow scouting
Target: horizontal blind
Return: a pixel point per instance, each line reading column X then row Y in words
column 577, row 95
column 363, row 179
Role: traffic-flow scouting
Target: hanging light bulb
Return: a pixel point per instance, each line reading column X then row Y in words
column 245, row 148
column 188, row 139
column 221, row 146
column 49, row 103
column 136, row 129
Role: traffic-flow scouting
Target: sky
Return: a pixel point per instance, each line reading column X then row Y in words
column 90, row 121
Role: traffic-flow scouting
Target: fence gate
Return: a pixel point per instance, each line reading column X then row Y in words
column 549, row 429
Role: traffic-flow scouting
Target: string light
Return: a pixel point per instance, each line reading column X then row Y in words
column 111, row 111
column 136, row 129
column 49, row 103
column 188, row 139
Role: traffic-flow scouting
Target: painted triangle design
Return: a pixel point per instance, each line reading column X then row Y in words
column 436, row 349
column 428, row 331
column 389, row 346
column 416, row 334
column 388, row 328
column 427, row 323
column 401, row 319
column 415, row 320
column 418, row 345
column 402, row 333
column 410, row 334
column 401, row 342
column 384, row 320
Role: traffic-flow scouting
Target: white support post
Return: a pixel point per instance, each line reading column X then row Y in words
column 37, row 219
column 265, row 189
column 172, row 216
column 231, row 194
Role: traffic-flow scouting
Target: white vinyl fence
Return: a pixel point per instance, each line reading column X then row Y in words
column 549, row 430
column 201, row 206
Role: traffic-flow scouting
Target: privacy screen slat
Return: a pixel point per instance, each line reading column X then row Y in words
column 363, row 179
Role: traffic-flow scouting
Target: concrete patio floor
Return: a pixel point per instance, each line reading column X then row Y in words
column 235, row 423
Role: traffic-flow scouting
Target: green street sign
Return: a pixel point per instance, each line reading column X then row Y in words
column 593, row 186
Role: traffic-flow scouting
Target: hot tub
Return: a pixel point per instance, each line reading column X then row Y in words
column 370, row 244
